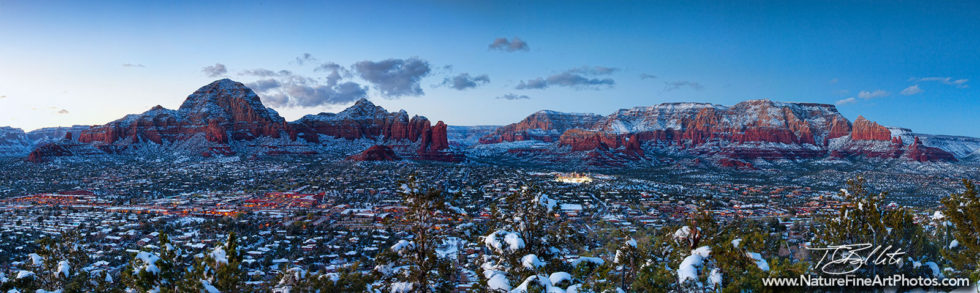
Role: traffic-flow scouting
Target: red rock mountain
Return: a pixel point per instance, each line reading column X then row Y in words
column 366, row 120
column 221, row 111
column 227, row 111
column 547, row 126
column 64, row 148
column 919, row 152
column 756, row 129
column 376, row 153
column 869, row 130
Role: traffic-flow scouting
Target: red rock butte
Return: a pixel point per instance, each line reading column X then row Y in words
column 755, row 129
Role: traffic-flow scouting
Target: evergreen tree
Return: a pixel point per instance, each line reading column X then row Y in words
column 528, row 241
column 413, row 263
column 102, row 282
column 627, row 261
column 219, row 269
column 859, row 221
column 737, row 253
column 963, row 211
column 55, row 266
column 347, row 280
column 149, row 271
column 225, row 263
column 864, row 220
column 654, row 275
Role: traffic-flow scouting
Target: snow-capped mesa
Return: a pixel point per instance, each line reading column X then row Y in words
column 13, row 142
column 49, row 134
column 734, row 136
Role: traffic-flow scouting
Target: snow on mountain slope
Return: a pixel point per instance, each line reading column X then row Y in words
column 48, row 134
column 13, row 142
column 545, row 125
column 750, row 130
column 959, row 146
column 468, row 135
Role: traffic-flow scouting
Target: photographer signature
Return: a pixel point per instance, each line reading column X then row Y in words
column 848, row 258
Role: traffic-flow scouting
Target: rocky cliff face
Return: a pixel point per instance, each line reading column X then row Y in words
column 366, row 120
column 48, row 151
column 376, row 153
column 157, row 125
column 917, row 151
column 13, row 142
column 544, row 125
column 226, row 111
column 362, row 120
column 869, row 130
column 694, row 124
column 221, row 111
column 56, row 133
column 756, row 129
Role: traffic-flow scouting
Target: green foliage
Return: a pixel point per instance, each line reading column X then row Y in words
column 348, row 280
column 545, row 233
column 424, row 268
column 963, row 211
column 863, row 220
column 164, row 279
column 786, row 268
column 47, row 276
column 859, row 221
column 227, row 276
column 655, row 251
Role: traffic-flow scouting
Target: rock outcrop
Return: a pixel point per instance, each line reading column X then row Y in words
column 221, row 111
column 376, row 153
column 919, row 152
column 46, row 151
column 547, row 126
column 225, row 111
column 13, row 142
column 869, row 130
column 56, row 133
column 366, row 120
column 756, row 129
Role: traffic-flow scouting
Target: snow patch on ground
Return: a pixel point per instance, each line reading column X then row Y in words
column 219, row 255
column 531, row 262
column 759, row 261
column 688, row 269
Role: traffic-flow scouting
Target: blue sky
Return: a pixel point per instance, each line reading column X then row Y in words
column 90, row 63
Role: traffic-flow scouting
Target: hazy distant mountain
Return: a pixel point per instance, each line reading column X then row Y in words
column 14, row 142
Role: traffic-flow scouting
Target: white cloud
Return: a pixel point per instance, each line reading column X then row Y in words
column 846, row 101
column 912, row 90
column 872, row 95
column 513, row 97
column 960, row 83
column 215, row 70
